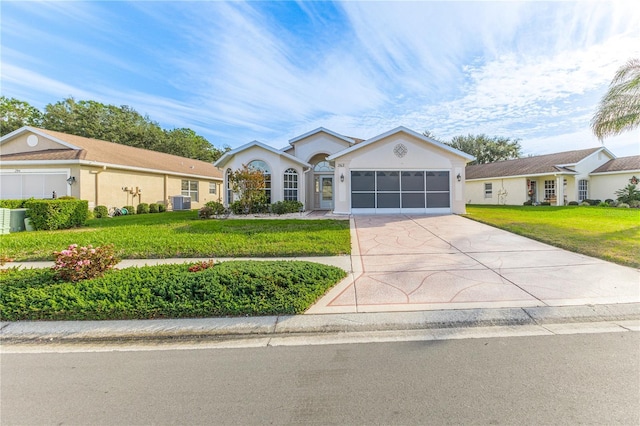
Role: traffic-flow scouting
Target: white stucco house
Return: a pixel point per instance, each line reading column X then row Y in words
column 558, row 178
column 399, row 171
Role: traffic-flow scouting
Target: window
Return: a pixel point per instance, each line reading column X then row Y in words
column 549, row 189
column 213, row 188
column 264, row 168
column 583, row 189
column 290, row 185
column 323, row 166
column 488, row 190
column 190, row 189
column 229, row 190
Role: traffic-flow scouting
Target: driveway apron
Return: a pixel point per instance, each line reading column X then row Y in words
column 406, row 263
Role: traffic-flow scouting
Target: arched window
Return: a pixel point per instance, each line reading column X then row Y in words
column 290, row 185
column 264, row 168
column 323, row 166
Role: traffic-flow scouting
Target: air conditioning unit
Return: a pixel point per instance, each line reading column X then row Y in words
column 181, row 202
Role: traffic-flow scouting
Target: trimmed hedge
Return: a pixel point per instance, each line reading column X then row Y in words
column 14, row 204
column 100, row 212
column 167, row 291
column 143, row 208
column 57, row 214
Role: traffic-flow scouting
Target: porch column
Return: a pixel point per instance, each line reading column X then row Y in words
column 560, row 191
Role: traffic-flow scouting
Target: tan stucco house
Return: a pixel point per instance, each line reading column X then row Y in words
column 37, row 162
column 558, row 178
column 399, row 171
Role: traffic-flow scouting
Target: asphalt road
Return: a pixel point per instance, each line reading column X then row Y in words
column 571, row 379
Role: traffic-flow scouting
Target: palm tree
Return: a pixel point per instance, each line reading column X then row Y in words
column 619, row 109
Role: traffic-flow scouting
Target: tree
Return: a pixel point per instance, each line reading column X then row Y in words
column 486, row 149
column 15, row 113
column 249, row 184
column 126, row 126
column 619, row 109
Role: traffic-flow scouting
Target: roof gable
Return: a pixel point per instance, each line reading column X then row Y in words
column 409, row 132
column 222, row 161
column 541, row 164
column 350, row 141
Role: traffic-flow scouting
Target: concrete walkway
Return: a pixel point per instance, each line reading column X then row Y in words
column 417, row 263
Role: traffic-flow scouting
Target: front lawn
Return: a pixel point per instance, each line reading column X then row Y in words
column 182, row 234
column 607, row 233
column 168, row 291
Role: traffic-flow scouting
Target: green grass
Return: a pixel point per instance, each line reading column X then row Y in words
column 182, row 234
column 168, row 291
column 607, row 233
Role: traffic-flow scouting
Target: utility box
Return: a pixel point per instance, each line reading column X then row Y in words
column 17, row 219
column 181, row 202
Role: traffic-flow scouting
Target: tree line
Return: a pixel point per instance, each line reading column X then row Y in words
column 119, row 124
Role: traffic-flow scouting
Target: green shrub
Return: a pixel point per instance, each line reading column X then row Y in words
column 545, row 203
column 585, row 203
column 592, row 202
column 527, row 203
column 573, row 203
column 168, row 291
column 603, row 204
column 205, row 212
column 284, row 207
column 67, row 197
column 142, row 208
column 130, row 209
column 216, row 207
column 57, row 214
column 162, row 208
column 100, row 212
column 628, row 193
column 14, row 204
column 75, row 264
column 237, row 208
column 623, row 205
column 153, row 208
column 634, row 203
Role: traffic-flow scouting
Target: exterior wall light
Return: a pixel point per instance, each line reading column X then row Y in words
column 341, row 177
column 459, row 177
column 71, row 180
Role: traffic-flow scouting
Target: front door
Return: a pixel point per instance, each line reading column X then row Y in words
column 326, row 195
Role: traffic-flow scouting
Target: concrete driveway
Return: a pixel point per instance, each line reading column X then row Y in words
column 407, row 263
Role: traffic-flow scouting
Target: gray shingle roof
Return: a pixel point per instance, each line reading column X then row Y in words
column 621, row 164
column 117, row 154
column 540, row 164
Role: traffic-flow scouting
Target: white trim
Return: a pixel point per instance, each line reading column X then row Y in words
column 615, row 172
column 409, row 132
column 320, row 130
column 5, row 164
column 222, row 161
column 523, row 176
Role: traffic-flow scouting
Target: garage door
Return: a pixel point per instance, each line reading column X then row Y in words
column 16, row 186
column 415, row 191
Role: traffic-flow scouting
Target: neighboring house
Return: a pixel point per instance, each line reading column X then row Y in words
column 397, row 171
column 36, row 163
column 558, row 178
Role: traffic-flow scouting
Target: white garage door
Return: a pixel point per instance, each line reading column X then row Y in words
column 15, row 186
column 409, row 191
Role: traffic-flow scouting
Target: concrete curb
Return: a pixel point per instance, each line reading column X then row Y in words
column 78, row 331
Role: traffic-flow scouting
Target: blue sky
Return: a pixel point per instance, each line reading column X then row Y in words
column 239, row 71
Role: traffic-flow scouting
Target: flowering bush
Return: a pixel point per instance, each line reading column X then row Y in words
column 81, row 263
column 202, row 265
